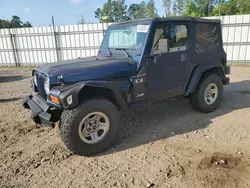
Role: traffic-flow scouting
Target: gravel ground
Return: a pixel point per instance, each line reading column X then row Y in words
column 170, row 145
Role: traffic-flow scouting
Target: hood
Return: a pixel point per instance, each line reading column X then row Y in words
column 90, row 68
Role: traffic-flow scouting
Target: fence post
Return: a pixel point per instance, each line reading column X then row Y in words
column 14, row 48
column 56, row 41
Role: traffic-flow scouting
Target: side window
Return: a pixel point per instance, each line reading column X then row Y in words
column 207, row 37
column 159, row 34
column 176, row 36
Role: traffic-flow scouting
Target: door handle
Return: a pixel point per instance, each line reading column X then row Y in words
column 184, row 57
column 155, row 57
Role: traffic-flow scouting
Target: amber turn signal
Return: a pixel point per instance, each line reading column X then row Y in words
column 54, row 99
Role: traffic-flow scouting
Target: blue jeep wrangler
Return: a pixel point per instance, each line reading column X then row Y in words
column 139, row 62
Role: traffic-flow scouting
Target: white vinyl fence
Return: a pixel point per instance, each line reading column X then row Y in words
column 236, row 37
column 37, row 45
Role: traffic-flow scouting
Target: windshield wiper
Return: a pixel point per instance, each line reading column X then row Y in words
column 124, row 51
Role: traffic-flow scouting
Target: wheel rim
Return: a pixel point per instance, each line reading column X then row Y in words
column 211, row 94
column 94, row 127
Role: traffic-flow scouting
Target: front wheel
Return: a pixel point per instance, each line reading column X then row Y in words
column 89, row 128
column 208, row 95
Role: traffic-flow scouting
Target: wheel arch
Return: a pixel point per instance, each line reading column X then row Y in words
column 96, row 89
column 199, row 73
column 90, row 92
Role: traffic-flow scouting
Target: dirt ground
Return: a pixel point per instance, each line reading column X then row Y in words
column 169, row 146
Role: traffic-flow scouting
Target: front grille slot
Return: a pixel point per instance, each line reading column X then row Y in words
column 40, row 87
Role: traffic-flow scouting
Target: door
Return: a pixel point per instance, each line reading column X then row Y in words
column 168, row 69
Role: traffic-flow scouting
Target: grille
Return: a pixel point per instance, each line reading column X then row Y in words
column 40, row 85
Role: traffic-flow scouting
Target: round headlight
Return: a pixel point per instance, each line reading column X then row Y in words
column 47, row 87
column 35, row 79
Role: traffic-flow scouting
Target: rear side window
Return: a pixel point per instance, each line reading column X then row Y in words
column 207, row 37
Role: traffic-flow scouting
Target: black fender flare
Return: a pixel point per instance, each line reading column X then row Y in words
column 199, row 71
column 75, row 89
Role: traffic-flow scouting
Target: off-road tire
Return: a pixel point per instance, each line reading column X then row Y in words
column 70, row 121
column 197, row 100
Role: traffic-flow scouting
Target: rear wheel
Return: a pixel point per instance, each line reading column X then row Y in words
column 208, row 95
column 89, row 128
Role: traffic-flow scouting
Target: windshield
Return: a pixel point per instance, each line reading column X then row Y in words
column 126, row 37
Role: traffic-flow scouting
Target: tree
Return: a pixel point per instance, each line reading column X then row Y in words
column 98, row 14
column 117, row 10
column 244, row 6
column 179, row 6
column 107, row 11
column 231, row 7
column 27, row 24
column 167, row 7
column 81, row 21
column 137, row 10
column 4, row 24
column 210, row 7
column 112, row 11
column 15, row 22
column 120, row 10
column 190, row 9
column 202, row 8
column 150, row 9
column 199, row 8
column 174, row 9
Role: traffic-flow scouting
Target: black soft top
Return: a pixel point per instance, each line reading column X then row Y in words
column 188, row 18
column 172, row 18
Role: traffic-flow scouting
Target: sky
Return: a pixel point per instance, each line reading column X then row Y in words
column 39, row 12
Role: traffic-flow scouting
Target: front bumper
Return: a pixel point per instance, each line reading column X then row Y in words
column 39, row 108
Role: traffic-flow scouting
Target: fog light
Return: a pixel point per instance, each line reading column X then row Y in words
column 69, row 100
column 54, row 99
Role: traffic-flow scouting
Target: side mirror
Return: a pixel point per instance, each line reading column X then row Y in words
column 163, row 46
